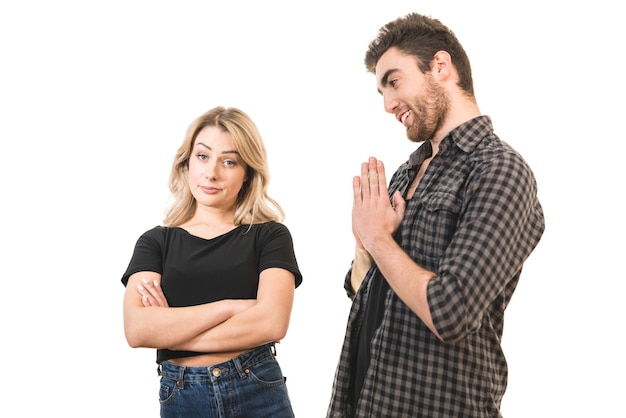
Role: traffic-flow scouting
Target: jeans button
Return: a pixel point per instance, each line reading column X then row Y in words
column 216, row 372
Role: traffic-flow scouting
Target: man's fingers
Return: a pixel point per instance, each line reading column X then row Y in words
column 382, row 180
column 356, row 189
column 373, row 176
column 372, row 183
column 365, row 181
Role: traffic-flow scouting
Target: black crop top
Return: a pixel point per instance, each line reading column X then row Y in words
column 195, row 270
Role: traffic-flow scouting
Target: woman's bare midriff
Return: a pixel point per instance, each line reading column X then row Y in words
column 205, row 360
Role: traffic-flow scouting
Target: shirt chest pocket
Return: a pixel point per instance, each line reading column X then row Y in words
column 435, row 223
column 442, row 201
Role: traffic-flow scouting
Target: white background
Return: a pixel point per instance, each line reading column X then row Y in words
column 95, row 97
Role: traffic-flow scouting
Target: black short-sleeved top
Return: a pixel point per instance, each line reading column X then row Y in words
column 195, row 270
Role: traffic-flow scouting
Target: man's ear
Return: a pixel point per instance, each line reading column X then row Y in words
column 442, row 66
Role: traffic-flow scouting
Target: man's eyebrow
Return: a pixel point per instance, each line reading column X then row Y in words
column 385, row 78
column 223, row 152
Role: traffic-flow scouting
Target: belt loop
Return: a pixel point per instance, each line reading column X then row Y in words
column 240, row 370
column 181, row 374
column 273, row 349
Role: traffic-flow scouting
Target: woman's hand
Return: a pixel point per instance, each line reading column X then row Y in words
column 152, row 294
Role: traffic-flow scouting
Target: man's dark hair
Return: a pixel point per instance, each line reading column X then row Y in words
column 421, row 37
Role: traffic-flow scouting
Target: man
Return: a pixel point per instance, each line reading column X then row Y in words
column 440, row 251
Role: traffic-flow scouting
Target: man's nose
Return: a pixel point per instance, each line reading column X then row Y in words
column 390, row 102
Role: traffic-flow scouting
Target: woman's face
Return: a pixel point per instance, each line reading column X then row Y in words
column 216, row 170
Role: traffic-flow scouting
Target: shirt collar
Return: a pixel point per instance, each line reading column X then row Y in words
column 466, row 137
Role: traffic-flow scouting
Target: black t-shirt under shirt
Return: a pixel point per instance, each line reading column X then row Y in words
column 372, row 318
column 195, row 270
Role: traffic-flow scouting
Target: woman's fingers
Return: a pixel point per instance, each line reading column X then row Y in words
column 152, row 294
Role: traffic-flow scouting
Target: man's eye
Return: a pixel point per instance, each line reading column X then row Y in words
column 393, row 83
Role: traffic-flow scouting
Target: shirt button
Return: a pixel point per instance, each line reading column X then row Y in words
column 217, row 372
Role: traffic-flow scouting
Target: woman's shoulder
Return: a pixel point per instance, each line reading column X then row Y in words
column 269, row 226
column 158, row 230
column 268, row 230
column 159, row 233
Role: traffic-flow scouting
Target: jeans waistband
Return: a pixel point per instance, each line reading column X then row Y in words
column 237, row 365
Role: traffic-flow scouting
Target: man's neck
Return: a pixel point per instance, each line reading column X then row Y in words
column 462, row 110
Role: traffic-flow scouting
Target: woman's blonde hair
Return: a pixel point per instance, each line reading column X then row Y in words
column 253, row 203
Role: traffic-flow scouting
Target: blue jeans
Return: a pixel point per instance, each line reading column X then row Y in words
column 250, row 385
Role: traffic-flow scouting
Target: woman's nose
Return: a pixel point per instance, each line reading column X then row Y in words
column 211, row 171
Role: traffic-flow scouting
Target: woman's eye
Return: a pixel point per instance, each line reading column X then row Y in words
column 230, row 163
column 202, row 156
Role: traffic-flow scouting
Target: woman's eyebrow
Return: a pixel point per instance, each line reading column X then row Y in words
column 223, row 152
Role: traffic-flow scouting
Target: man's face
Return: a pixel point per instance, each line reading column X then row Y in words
column 415, row 98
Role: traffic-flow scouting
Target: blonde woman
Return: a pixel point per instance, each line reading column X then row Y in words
column 212, row 289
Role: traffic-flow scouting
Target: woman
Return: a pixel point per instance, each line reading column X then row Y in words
column 212, row 289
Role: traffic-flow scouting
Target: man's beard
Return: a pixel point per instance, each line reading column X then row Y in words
column 429, row 112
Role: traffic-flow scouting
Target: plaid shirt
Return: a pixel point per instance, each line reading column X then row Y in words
column 474, row 219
